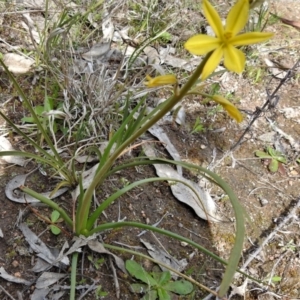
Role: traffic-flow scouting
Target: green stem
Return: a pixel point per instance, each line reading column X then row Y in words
column 99, row 177
column 95, row 215
column 48, row 202
column 171, row 234
column 73, row 275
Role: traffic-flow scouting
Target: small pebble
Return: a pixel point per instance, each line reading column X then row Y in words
column 18, row 274
column 183, row 244
column 263, row 201
column 15, row 263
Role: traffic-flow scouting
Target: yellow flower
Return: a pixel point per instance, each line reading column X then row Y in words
column 160, row 80
column 229, row 107
column 226, row 40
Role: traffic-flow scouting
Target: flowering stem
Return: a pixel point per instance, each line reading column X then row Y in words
column 100, row 176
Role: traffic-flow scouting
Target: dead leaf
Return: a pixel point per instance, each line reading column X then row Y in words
column 11, row 278
column 78, row 243
column 164, row 257
column 38, row 246
column 39, row 294
column 33, row 27
column 107, row 27
column 96, row 51
column 86, row 159
column 47, row 279
column 87, row 177
column 5, row 145
column 98, row 247
column 17, row 64
column 239, row 290
column 152, row 54
column 206, row 209
column 13, row 192
column 160, row 134
column 273, row 68
column 37, row 4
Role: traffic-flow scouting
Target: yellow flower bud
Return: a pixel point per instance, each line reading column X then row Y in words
column 229, row 107
column 160, row 80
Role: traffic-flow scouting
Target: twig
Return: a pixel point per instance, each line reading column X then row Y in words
column 272, row 101
column 91, row 288
column 292, row 214
column 116, row 281
column 155, row 224
column 7, row 293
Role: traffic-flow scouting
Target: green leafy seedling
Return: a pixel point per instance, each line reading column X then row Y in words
column 198, row 126
column 275, row 158
column 41, row 112
column 272, row 280
column 156, row 285
column 55, row 219
column 100, row 293
column 96, row 262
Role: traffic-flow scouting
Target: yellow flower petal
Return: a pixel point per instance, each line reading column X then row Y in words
column 250, row 38
column 213, row 18
column 212, row 63
column 201, row 44
column 234, row 59
column 160, row 80
column 226, row 39
column 237, row 17
column 229, row 107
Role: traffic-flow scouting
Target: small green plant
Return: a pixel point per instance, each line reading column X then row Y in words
column 289, row 246
column 156, row 285
column 96, row 262
column 272, row 280
column 198, row 126
column 166, row 37
column 255, row 74
column 99, row 293
column 273, row 19
column 55, row 218
column 47, row 115
column 259, row 17
column 274, row 158
column 214, row 88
